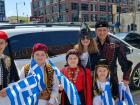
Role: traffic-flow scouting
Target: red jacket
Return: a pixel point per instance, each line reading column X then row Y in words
column 83, row 82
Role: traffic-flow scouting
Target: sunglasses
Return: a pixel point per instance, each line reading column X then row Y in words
column 85, row 37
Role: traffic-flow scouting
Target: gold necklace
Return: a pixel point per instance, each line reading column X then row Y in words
column 72, row 75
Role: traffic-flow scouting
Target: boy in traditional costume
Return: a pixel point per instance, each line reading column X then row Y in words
column 8, row 71
column 50, row 94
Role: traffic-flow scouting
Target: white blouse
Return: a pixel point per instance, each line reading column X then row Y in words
column 97, row 99
column 54, row 95
column 84, row 58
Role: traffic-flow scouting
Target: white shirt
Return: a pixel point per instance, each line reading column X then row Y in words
column 84, row 58
column 54, row 95
column 97, row 99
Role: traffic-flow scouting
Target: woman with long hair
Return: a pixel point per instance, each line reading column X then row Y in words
column 88, row 48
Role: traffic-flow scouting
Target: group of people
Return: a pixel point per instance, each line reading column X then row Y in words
column 89, row 66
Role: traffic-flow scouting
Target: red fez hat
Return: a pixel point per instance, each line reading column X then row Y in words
column 3, row 35
column 39, row 47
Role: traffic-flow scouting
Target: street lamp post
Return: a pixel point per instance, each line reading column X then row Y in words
column 17, row 9
column 17, row 12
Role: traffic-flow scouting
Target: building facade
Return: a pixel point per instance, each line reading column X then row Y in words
column 75, row 10
column 2, row 10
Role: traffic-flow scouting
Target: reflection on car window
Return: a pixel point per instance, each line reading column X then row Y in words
column 58, row 42
column 133, row 39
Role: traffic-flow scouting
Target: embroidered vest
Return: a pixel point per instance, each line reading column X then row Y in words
column 48, row 78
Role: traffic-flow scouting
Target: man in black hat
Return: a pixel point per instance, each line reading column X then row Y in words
column 111, row 49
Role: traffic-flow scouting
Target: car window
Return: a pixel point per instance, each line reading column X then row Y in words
column 58, row 42
column 133, row 39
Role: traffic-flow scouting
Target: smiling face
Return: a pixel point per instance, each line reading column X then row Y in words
column 40, row 57
column 102, row 73
column 102, row 33
column 3, row 44
column 85, row 40
column 73, row 60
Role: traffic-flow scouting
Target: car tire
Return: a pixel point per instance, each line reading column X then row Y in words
column 135, row 78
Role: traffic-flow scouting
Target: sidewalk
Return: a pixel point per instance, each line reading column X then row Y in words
column 136, row 97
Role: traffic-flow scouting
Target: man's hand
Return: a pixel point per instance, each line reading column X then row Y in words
column 126, row 82
column 3, row 93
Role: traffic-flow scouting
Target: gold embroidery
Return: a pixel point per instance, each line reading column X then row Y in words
column 48, row 78
column 72, row 75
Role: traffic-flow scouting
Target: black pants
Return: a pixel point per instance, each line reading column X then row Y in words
column 81, row 96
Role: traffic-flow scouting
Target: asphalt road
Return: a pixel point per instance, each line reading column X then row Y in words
column 136, row 97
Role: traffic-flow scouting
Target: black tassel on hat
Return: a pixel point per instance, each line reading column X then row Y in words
column 85, row 31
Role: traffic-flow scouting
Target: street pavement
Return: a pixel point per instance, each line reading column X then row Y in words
column 136, row 97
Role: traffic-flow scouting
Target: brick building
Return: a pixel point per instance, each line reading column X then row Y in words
column 75, row 10
column 2, row 10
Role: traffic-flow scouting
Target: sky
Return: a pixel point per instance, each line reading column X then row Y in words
column 23, row 10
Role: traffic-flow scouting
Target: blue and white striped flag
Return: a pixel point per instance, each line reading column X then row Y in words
column 36, row 70
column 106, row 95
column 69, row 88
column 125, row 95
column 27, row 90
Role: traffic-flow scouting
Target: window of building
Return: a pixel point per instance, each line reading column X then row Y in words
column 103, row 17
column 102, row 0
column 74, row 6
column 47, row 10
column 102, row 7
column 47, row 2
column 75, row 17
column 41, row 12
column 55, row 8
column 41, row 4
column 110, row 8
column 111, row 1
column 35, row 5
column 93, row 17
column 62, row 7
column 110, row 17
column 91, row 7
column 84, row 7
column 95, row 7
column 85, row 17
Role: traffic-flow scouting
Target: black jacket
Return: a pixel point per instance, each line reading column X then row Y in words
column 114, row 50
column 92, row 61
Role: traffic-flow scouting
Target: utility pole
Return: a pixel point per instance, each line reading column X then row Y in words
column 17, row 12
column 17, row 9
column 59, row 11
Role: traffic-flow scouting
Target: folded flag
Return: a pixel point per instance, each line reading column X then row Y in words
column 27, row 90
column 125, row 95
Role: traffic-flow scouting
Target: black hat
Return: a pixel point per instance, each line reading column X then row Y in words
column 85, row 31
column 102, row 62
column 101, row 24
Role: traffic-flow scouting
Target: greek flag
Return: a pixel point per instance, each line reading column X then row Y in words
column 106, row 95
column 27, row 90
column 69, row 88
column 125, row 95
